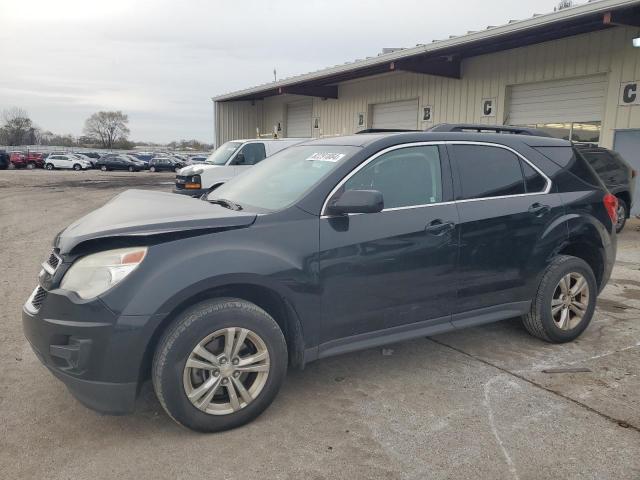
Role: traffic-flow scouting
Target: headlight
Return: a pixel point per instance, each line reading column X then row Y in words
column 95, row 274
column 194, row 182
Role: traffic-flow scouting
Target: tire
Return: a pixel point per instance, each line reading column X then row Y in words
column 623, row 213
column 540, row 322
column 131, row 169
column 31, row 166
column 77, row 167
column 172, row 379
column 103, row 168
column 152, row 169
column 49, row 166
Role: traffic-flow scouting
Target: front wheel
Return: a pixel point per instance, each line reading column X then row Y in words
column 49, row 166
column 103, row 168
column 565, row 301
column 623, row 213
column 152, row 169
column 77, row 167
column 220, row 365
column 131, row 169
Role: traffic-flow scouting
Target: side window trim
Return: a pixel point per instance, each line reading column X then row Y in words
column 444, row 168
column 546, row 190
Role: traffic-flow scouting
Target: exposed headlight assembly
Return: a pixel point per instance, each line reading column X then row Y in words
column 96, row 273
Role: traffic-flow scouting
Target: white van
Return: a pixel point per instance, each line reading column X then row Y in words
column 227, row 161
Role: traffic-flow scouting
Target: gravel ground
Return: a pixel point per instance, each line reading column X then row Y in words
column 471, row 404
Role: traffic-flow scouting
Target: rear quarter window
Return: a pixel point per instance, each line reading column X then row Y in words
column 570, row 159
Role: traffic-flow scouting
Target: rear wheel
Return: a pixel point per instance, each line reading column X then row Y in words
column 623, row 212
column 103, row 168
column 131, row 169
column 31, row 166
column 49, row 166
column 220, row 365
column 565, row 301
column 152, row 169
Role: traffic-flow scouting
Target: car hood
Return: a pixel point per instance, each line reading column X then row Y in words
column 141, row 213
column 190, row 170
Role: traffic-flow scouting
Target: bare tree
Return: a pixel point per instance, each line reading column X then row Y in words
column 108, row 127
column 17, row 127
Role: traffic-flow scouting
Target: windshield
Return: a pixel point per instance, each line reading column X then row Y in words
column 223, row 153
column 281, row 180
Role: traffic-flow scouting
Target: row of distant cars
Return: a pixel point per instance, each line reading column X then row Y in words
column 132, row 162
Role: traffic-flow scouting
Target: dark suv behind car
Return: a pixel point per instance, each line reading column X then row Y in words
column 327, row 247
column 618, row 176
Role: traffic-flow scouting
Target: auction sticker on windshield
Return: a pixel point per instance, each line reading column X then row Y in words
column 326, row 157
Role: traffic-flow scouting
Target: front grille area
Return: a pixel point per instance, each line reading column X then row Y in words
column 53, row 260
column 38, row 297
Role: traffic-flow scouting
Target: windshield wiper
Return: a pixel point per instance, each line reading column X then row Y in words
column 225, row 203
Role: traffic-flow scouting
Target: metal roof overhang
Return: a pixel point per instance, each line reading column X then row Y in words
column 443, row 58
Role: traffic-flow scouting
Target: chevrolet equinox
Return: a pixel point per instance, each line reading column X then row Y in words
column 327, row 247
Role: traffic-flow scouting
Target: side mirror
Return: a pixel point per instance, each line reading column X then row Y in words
column 357, row 201
column 239, row 160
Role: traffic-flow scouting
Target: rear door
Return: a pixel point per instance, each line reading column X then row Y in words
column 504, row 209
column 380, row 272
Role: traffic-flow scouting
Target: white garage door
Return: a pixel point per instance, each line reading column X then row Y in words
column 402, row 115
column 299, row 119
column 575, row 100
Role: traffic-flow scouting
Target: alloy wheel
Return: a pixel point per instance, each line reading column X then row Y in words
column 226, row 371
column 570, row 301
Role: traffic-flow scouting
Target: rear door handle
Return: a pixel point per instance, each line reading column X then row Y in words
column 539, row 210
column 438, row 227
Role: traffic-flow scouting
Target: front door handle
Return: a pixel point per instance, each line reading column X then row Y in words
column 539, row 210
column 438, row 227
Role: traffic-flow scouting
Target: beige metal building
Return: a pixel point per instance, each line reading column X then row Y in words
column 574, row 73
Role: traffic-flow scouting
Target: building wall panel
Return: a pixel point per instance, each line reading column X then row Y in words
column 607, row 52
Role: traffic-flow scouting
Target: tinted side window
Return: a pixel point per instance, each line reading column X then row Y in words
column 488, row 171
column 406, row 177
column 569, row 158
column 534, row 182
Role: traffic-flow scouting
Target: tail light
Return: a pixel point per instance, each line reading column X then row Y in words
column 611, row 205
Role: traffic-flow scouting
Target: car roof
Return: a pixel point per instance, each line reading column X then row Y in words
column 387, row 139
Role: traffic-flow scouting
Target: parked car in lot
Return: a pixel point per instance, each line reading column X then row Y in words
column 66, row 161
column 81, row 156
column 163, row 164
column 229, row 160
column 4, row 160
column 17, row 159
column 327, row 247
column 617, row 175
column 117, row 162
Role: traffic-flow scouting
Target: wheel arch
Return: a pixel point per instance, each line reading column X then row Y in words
column 270, row 300
column 587, row 249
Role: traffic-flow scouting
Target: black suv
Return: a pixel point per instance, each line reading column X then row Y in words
column 327, row 247
column 618, row 176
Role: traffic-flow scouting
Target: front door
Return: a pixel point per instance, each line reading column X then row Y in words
column 504, row 211
column 385, row 270
column 627, row 144
column 248, row 156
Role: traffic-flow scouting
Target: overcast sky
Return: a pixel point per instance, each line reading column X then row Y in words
column 162, row 61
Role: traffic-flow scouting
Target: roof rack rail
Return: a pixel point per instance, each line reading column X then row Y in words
column 480, row 128
column 386, row 130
